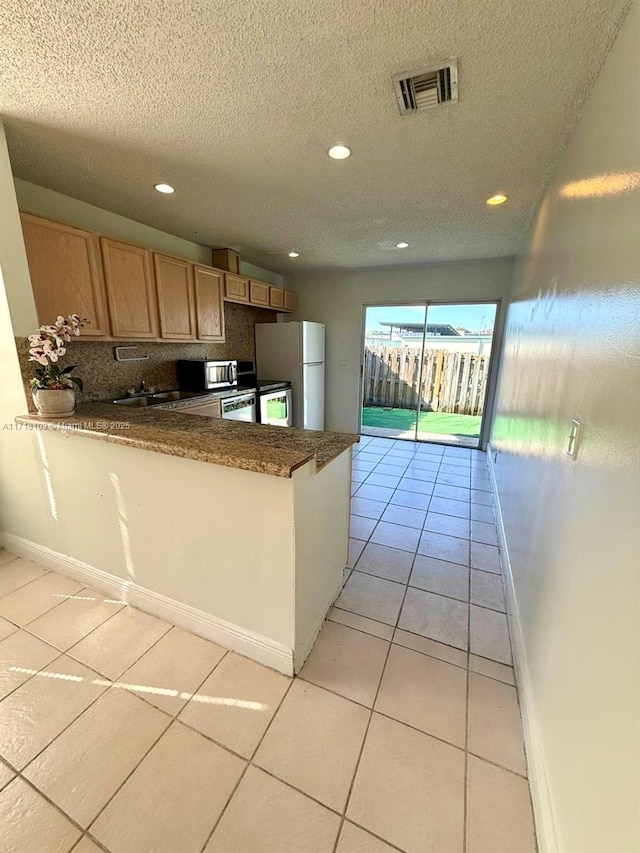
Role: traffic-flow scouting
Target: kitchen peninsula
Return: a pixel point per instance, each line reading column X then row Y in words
column 236, row 531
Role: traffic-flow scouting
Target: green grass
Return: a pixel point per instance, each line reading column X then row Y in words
column 441, row 423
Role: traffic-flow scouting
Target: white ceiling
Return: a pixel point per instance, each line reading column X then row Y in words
column 236, row 103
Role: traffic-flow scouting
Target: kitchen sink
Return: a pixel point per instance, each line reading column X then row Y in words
column 157, row 399
column 170, row 396
column 137, row 401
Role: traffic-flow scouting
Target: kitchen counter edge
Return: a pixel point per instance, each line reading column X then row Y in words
column 263, row 449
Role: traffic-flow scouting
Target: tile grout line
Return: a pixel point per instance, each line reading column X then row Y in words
column 91, row 704
column 249, row 763
column 465, row 807
column 20, row 773
column 373, row 705
column 171, row 721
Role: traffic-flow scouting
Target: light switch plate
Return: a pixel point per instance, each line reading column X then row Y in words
column 574, row 438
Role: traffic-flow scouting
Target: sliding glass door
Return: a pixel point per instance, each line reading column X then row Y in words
column 425, row 371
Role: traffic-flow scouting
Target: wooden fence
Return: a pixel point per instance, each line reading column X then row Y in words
column 451, row 381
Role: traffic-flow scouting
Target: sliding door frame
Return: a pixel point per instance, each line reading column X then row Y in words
column 494, row 360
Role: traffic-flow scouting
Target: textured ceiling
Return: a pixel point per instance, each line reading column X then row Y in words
column 235, row 103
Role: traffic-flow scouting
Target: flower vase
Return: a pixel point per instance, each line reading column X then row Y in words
column 54, row 402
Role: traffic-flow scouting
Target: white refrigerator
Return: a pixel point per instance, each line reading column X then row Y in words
column 294, row 352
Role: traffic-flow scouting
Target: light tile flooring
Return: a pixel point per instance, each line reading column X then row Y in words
column 121, row 733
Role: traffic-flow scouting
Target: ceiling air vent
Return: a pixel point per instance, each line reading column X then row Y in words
column 429, row 88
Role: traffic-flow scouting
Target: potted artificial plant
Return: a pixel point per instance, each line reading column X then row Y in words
column 52, row 387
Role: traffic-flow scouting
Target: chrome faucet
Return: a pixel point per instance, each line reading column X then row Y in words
column 143, row 386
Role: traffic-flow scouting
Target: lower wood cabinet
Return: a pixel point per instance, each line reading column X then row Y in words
column 66, row 273
column 131, row 293
column 276, row 298
column 207, row 410
column 176, row 302
column 209, row 287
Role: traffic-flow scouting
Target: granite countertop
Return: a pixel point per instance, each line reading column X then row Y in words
column 235, row 444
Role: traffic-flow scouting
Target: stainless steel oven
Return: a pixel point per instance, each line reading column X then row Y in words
column 202, row 375
column 275, row 407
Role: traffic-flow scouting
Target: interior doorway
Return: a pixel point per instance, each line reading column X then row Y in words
column 425, row 371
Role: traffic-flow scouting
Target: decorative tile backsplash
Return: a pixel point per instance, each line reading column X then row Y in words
column 105, row 378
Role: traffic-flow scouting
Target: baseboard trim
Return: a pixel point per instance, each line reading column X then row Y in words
column 538, row 777
column 237, row 639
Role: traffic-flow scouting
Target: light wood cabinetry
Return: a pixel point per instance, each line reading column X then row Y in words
column 276, row 298
column 226, row 259
column 207, row 410
column 208, row 287
column 176, row 303
column 129, row 292
column 236, row 288
column 66, row 273
column 131, row 295
column 259, row 293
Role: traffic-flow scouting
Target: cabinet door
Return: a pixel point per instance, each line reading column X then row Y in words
column 276, row 297
column 66, row 273
column 208, row 410
column 289, row 301
column 236, row 288
column 259, row 293
column 174, row 283
column 128, row 276
column 208, row 286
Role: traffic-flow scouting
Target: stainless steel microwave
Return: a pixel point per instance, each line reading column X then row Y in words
column 202, row 375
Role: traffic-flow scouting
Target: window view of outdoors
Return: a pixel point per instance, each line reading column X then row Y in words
column 427, row 384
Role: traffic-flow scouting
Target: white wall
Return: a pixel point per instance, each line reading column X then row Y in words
column 338, row 300
column 572, row 350
column 21, row 495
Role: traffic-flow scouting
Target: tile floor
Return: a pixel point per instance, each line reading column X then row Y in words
column 121, row 733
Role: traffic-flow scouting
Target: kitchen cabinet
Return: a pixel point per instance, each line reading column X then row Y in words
column 226, row 259
column 131, row 296
column 276, row 298
column 259, row 293
column 208, row 287
column 66, row 273
column 289, row 301
column 176, row 303
column 208, row 410
column 236, row 288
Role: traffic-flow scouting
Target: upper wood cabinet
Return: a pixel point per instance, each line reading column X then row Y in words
column 226, row 259
column 66, row 273
column 176, row 304
column 289, row 301
column 276, row 298
column 208, row 285
column 236, row 288
column 128, row 275
column 259, row 293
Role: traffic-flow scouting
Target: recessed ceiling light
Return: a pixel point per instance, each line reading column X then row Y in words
column 165, row 188
column 498, row 198
column 339, row 152
column 294, row 254
column 402, row 245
